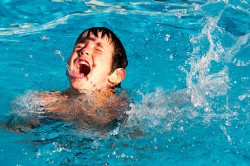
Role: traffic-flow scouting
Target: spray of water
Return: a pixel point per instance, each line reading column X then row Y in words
column 208, row 83
column 58, row 52
column 203, row 83
column 207, row 72
column 28, row 105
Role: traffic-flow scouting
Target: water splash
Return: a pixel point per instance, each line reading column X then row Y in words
column 28, row 105
column 207, row 71
column 58, row 52
column 223, row 128
column 159, row 111
column 69, row 70
column 206, row 99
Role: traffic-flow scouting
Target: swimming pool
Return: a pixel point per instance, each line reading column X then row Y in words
column 188, row 77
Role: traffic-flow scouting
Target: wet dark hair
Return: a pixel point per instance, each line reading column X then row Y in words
column 119, row 57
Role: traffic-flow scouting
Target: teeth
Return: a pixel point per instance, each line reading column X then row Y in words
column 82, row 63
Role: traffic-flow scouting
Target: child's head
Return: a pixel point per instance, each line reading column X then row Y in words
column 97, row 62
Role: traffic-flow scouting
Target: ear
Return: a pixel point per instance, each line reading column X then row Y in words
column 117, row 76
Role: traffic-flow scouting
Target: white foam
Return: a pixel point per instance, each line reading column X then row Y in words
column 158, row 110
column 28, row 105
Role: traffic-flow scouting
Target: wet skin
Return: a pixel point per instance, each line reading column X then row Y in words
column 90, row 64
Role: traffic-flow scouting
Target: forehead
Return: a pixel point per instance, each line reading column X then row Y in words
column 98, row 37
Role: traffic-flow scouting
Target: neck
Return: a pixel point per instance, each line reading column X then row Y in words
column 76, row 92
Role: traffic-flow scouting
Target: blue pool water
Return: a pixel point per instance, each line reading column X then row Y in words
column 188, row 78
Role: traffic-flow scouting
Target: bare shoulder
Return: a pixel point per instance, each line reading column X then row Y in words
column 49, row 95
column 51, row 99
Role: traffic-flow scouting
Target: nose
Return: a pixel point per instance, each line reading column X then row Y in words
column 83, row 51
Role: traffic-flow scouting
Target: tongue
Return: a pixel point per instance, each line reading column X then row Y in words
column 84, row 69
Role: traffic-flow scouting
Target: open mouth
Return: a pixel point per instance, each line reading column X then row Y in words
column 84, row 67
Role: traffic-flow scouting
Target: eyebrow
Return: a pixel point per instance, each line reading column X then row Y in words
column 100, row 45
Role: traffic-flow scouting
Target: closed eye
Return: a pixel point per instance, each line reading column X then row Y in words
column 99, row 49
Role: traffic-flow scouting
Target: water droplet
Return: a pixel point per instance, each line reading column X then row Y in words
column 192, row 40
column 171, row 56
column 228, row 123
column 44, row 37
column 242, row 97
column 167, row 37
column 196, row 6
column 178, row 15
column 225, row 1
column 58, row 52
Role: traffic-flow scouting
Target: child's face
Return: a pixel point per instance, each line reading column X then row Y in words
column 90, row 63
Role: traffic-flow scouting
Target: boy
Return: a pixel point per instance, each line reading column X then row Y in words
column 97, row 62
column 95, row 68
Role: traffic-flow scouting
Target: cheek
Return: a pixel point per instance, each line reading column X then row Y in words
column 71, row 58
column 105, row 69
